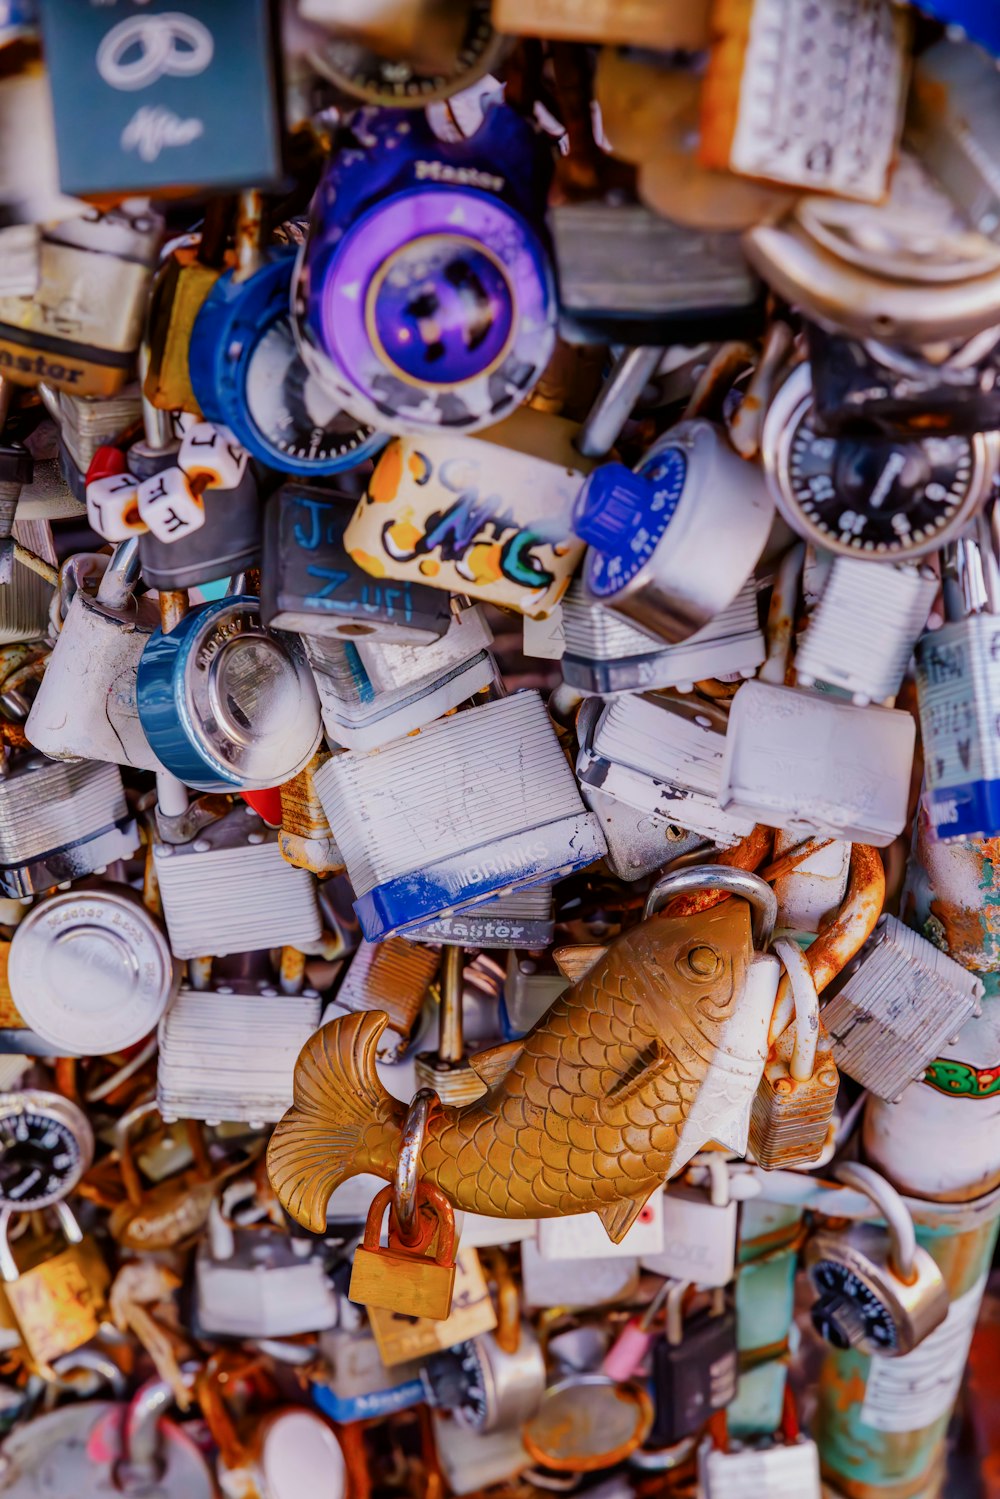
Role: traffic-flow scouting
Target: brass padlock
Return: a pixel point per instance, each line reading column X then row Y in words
column 179, row 292
column 404, row 1278
column 58, row 1303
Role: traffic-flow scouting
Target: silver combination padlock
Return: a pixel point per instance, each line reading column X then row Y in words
column 878, row 1290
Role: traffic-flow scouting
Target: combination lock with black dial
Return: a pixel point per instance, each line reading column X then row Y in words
column 874, row 496
column 46, row 1145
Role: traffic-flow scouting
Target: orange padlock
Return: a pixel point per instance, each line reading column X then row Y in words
column 401, row 1277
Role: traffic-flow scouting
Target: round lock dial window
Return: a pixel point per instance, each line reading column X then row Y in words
column 871, row 496
column 46, row 1144
column 849, row 1312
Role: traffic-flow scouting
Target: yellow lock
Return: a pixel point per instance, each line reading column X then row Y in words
column 57, row 1305
column 401, row 1277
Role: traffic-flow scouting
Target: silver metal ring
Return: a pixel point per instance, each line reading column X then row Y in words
column 407, row 1177
column 902, row 1233
column 749, row 887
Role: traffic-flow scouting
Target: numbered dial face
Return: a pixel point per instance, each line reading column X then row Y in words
column 850, row 1313
column 290, row 411
column 869, row 496
column 454, row 1381
column 42, row 1155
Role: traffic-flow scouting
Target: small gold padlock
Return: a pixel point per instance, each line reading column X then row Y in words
column 402, row 1278
column 57, row 1304
column 794, row 1103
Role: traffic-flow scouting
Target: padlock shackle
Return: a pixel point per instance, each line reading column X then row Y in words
column 72, row 1233
column 676, row 1292
column 806, row 1001
column 740, row 882
column 411, row 1142
column 902, row 1234
column 508, row 1329
column 121, row 575
column 434, row 1198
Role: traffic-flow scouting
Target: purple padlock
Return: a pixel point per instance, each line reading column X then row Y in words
column 425, row 298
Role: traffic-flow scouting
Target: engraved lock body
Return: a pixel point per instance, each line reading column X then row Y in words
column 958, row 690
column 411, row 324
column 518, row 918
column 406, row 869
column 228, row 1053
column 793, row 1107
column 878, row 1290
column 226, row 702
column 605, row 654
column 254, row 1280
column 131, row 103
column 229, row 890
column 60, row 822
column 80, row 329
column 57, row 1304
column 85, row 707
column 91, row 971
column 247, row 373
column 403, row 1279
column 672, row 543
column 899, row 1003
column 309, row 583
column 490, row 516
column 370, row 692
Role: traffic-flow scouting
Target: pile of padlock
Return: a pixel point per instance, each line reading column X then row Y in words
column 500, row 745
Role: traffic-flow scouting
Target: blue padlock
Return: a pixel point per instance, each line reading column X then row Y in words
column 247, row 374
column 425, row 297
column 226, row 703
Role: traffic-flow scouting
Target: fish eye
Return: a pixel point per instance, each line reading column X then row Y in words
column 700, row 962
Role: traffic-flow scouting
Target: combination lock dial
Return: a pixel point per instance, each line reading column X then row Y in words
column 874, row 496
column 46, row 1145
column 849, row 1312
column 453, row 1381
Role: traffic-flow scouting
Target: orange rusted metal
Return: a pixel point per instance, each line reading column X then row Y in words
column 750, row 852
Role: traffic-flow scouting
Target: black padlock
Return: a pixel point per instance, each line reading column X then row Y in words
column 310, row 584
column 695, row 1367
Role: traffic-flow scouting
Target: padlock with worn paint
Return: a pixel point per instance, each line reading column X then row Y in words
column 306, row 839
column 699, row 1227
column 662, row 756
column 393, row 976
column 518, row 918
column 57, row 1304
column 878, row 1290
column 789, row 1469
column 415, row 846
column 255, row 1280
column 370, row 692
column 958, row 691
column 60, row 822
column 718, row 1046
column 95, row 274
column 229, row 890
column 793, row 1109
column 310, row 584
column 355, row 1383
column 85, row 706
column 488, row 516
column 228, row 1052
column 899, row 1002
column 460, row 331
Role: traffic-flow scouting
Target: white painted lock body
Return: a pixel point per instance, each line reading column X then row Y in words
column 810, row 763
column 259, row 1282
column 60, row 821
column 583, row 1237
column 699, row 1238
column 472, row 1460
column 371, row 692
column 639, row 843
column 85, row 707
column 229, row 1053
column 663, row 757
column 563, row 1282
column 229, row 890
column 784, row 1471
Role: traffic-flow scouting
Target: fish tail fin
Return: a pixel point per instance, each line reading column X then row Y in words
column 339, row 1104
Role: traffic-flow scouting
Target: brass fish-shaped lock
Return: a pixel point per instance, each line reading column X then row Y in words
column 656, row 1050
